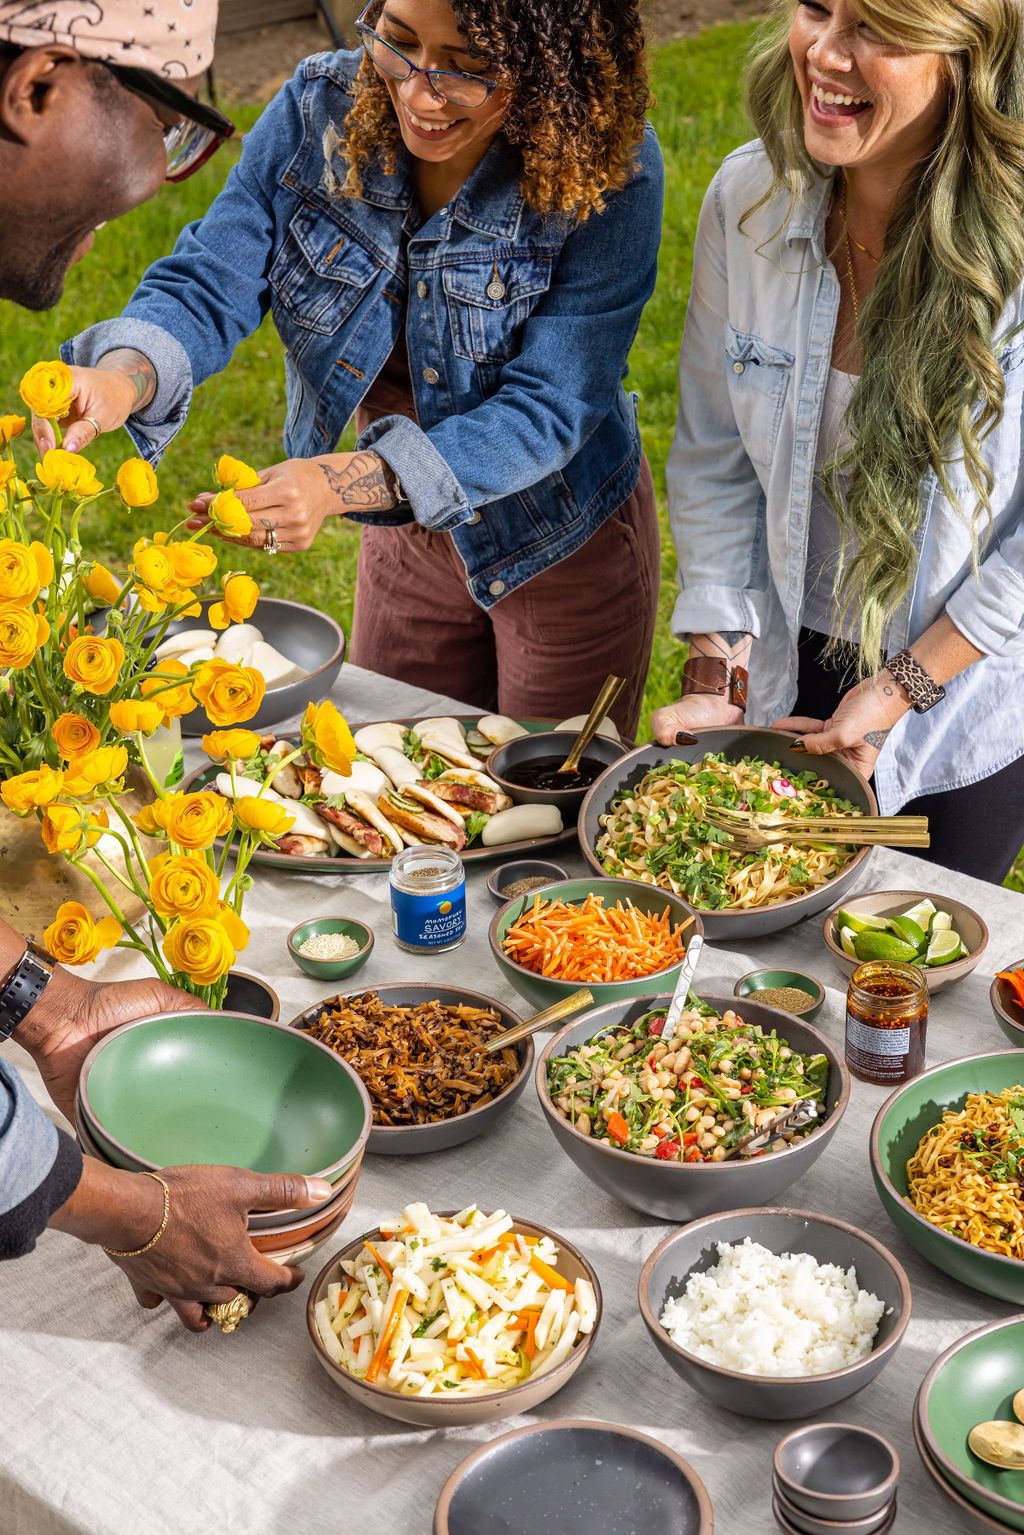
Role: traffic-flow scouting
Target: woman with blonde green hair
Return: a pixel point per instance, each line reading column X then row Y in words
column 846, row 483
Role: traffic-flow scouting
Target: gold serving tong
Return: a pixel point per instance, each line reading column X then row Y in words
column 754, row 829
column 544, row 1020
column 610, row 690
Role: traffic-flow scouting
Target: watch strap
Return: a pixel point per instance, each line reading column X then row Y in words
column 712, row 675
column 23, row 988
column 924, row 693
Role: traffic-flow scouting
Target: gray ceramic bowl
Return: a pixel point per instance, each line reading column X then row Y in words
column 968, row 1517
column 675, row 1191
column 837, row 1470
column 794, row 1522
column 409, row 1140
column 890, row 903
column 1006, row 1010
column 739, row 741
column 695, row 1249
column 455, row 1412
column 309, row 638
column 555, row 743
column 584, row 1478
column 522, row 868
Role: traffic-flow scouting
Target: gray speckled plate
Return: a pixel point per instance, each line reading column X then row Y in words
column 584, row 1478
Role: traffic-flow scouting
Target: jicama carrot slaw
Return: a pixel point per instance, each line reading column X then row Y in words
column 592, row 942
column 453, row 1306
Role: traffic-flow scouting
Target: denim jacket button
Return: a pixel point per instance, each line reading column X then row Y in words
column 421, row 289
column 496, row 289
column 496, row 588
column 738, row 367
column 431, row 375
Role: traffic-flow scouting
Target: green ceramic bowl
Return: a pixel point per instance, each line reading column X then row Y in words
column 899, row 1125
column 972, row 1382
column 758, row 980
column 225, row 1088
column 541, row 991
column 331, row 969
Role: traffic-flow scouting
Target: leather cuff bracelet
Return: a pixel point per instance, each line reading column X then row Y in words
column 922, row 691
column 711, row 675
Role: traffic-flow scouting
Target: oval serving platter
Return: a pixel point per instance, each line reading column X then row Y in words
column 344, row 863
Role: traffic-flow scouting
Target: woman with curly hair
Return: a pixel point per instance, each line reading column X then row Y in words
column 845, row 485
column 456, row 231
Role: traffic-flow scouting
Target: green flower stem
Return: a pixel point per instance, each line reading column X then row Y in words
column 150, row 954
column 133, row 834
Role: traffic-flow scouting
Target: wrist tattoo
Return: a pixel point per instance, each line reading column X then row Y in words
column 365, row 483
column 728, row 645
column 876, row 738
column 136, row 368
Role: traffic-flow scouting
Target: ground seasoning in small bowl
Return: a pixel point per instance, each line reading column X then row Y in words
column 329, row 946
column 789, row 998
column 524, row 886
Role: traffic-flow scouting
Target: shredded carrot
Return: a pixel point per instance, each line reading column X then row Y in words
column 550, row 1276
column 589, row 942
column 484, row 1255
column 513, row 1238
column 375, row 1255
column 476, row 1368
column 387, row 1336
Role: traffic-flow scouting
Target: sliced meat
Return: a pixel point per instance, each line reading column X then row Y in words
column 311, row 779
column 424, row 824
column 366, row 836
column 303, row 847
column 469, row 796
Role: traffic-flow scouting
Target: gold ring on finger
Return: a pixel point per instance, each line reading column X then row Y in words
column 230, row 1314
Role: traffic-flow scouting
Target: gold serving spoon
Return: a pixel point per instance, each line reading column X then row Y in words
column 544, row 1020
column 610, row 690
column 999, row 1443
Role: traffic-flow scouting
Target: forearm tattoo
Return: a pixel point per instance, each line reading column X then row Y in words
column 366, row 483
column 876, row 738
column 136, row 368
column 732, row 645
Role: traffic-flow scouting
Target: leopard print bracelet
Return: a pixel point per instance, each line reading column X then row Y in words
column 922, row 691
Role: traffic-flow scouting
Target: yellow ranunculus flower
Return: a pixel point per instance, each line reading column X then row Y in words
column 22, row 632
column 241, row 594
column 28, row 791
column 183, row 885
column 136, row 483
column 24, row 570
column 107, row 764
column 74, row 938
column 174, row 701
column 233, row 925
column 136, row 715
column 194, row 820
column 74, row 736
column 233, row 474
column 152, row 567
column 145, row 819
column 263, row 816
column 93, row 662
column 230, row 694
column 240, row 744
column 64, row 827
column 200, row 948
column 48, row 389
column 191, row 562
column 68, row 472
column 229, row 515
column 326, row 735
column 11, row 427
column 101, row 585
column 8, row 472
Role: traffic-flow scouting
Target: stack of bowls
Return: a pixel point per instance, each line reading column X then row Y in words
column 232, row 1090
column 975, row 1381
column 831, row 1478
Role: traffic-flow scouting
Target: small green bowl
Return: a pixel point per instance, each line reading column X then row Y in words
column 899, row 1125
column 331, row 969
column 542, row 991
column 973, row 1382
column 757, row 980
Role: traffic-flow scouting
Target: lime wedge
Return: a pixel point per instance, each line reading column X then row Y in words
column 884, row 946
column 910, row 931
column 846, row 942
column 858, row 923
column 944, row 948
column 941, row 922
column 921, row 912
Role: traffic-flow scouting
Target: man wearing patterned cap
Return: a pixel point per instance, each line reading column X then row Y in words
column 97, row 108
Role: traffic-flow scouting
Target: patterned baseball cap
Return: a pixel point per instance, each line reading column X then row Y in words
column 173, row 38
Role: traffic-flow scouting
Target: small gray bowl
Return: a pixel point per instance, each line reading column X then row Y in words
column 522, row 868
column 837, row 1471
column 410, row 1140
column 551, row 743
column 775, row 1397
column 1007, row 1011
column 795, row 1522
column 590, row 1478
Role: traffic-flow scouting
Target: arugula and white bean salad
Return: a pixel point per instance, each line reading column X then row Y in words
column 691, row 1097
column 458, row 1305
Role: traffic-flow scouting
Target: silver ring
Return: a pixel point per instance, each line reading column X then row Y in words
column 94, row 424
column 272, row 546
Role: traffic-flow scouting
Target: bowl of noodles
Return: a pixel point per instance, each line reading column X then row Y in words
column 947, row 1158
column 645, row 819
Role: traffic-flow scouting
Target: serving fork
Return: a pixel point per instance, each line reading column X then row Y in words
column 750, row 830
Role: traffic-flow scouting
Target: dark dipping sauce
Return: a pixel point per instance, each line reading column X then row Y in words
column 542, row 773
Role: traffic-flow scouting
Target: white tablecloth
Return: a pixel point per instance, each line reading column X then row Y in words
column 115, row 1421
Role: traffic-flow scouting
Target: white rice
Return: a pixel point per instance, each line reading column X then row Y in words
column 760, row 1313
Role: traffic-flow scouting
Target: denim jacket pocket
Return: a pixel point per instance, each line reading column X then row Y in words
column 758, row 376
column 320, row 273
column 490, row 301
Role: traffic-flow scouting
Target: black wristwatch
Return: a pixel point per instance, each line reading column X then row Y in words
column 23, row 988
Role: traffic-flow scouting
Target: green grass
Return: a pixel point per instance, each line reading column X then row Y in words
column 699, row 118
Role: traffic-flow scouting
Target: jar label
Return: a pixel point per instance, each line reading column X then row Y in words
column 876, row 1042
column 429, row 921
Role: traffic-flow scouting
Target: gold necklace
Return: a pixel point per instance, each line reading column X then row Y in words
column 855, row 297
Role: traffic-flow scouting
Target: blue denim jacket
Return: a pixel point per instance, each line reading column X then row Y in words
column 519, row 327
column 752, row 377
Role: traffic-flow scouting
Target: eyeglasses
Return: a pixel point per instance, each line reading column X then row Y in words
column 447, row 84
column 199, row 131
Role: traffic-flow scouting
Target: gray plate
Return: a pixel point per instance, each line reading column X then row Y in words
column 584, row 1478
column 739, row 741
column 345, row 864
column 675, row 1191
column 407, row 1140
column 695, row 1249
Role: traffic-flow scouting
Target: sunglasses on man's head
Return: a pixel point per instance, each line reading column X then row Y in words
column 199, row 131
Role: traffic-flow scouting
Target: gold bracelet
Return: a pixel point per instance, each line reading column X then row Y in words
column 138, row 1251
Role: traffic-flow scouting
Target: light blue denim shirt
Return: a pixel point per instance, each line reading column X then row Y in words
column 752, row 375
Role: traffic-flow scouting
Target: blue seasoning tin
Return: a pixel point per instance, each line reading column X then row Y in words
column 428, row 899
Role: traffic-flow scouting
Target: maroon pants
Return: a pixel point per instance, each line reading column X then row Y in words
column 540, row 653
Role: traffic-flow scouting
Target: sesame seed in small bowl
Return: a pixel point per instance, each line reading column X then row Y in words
column 330, row 948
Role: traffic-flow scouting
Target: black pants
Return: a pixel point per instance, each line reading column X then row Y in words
column 978, row 830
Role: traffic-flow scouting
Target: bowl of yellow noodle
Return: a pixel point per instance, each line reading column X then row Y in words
column 947, row 1158
column 646, row 819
